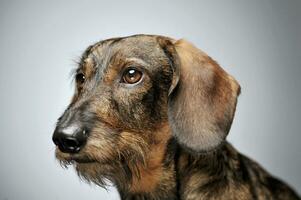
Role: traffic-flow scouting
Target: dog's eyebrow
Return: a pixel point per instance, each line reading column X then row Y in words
column 136, row 60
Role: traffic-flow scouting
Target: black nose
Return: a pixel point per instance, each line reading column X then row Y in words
column 70, row 139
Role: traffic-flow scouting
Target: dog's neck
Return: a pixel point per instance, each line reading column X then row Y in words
column 166, row 167
column 157, row 180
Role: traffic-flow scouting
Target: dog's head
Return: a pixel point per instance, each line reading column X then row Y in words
column 132, row 95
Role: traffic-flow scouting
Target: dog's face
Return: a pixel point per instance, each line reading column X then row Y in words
column 130, row 93
column 120, row 101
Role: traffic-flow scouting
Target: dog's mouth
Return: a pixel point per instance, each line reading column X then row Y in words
column 83, row 160
column 73, row 158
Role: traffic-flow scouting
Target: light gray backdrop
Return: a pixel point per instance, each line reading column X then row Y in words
column 258, row 42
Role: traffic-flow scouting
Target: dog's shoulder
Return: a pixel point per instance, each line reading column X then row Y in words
column 263, row 184
column 229, row 174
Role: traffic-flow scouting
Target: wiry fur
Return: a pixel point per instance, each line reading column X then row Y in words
column 164, row 137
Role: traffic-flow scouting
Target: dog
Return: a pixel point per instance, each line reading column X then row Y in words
column 151, row 115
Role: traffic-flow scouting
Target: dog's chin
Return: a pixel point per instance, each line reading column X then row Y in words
column 69, row 159
column 88, row 170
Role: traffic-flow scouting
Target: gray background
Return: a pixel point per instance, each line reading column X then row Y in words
column 258, row 42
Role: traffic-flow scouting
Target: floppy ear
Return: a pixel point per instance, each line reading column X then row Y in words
column 202, row 99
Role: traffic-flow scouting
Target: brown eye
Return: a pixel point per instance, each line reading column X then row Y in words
column 132, row 76
column 80, row 78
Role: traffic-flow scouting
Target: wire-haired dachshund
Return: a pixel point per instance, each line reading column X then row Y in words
column 151, row 114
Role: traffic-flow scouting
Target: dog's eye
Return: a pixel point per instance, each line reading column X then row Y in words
column 80, row 78
column 131, row 76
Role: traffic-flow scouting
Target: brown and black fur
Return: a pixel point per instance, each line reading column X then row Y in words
column 163, row 138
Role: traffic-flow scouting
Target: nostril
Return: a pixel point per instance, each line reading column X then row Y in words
column 71, row 143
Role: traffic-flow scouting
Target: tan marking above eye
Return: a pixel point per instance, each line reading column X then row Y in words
column 131, row 76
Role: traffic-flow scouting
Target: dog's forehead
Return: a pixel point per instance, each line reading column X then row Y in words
column 141, row 46
column 144, row 47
